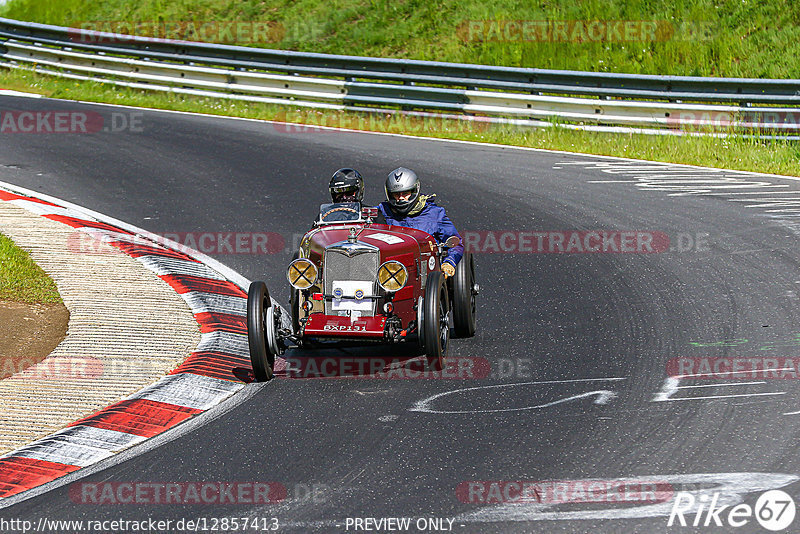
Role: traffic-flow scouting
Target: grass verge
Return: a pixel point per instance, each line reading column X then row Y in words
column 734, row 152
column 21, row 280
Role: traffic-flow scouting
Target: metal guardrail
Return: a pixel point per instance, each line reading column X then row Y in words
column 497, row 94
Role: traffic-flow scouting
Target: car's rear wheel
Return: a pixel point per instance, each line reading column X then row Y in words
column 436, row 322
column 420, row 330
column 464, row 292
column 258, row 305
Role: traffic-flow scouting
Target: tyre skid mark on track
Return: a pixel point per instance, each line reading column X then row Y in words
column 217, row 369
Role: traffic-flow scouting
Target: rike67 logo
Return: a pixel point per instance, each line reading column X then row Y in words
column 774, row 510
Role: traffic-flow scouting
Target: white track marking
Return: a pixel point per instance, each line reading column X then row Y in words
column 718, row 385
column 769, row 203
column 670, row 387
column 751, row 371
column 732, row 487
column 795, row 192
column 680, row 180
column 729, row 396
column 603, row 396
column 78, row 445
column 18, row 94
column 189, row 390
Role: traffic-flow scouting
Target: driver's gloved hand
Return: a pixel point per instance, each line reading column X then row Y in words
column 448, row 270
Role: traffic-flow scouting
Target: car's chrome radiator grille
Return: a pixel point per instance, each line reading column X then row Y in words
column 341, row 267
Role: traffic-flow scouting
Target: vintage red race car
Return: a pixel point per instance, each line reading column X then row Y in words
column 359, row 281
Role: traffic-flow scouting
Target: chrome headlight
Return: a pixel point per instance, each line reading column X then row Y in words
column 302, row 273
column 392, row 276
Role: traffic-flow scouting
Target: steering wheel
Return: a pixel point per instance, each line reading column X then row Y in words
column 341, row 208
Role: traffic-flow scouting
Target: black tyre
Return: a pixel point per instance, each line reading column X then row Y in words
column 436, row 320
column 464, row 309
column 258, row 302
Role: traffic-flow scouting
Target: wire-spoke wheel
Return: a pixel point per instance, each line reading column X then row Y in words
column 436, row 323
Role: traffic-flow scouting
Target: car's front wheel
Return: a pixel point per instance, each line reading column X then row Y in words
column 258, row 306
column 464, row 292
column 436, row 322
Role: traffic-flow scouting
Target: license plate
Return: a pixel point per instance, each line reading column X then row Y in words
column 349, row 291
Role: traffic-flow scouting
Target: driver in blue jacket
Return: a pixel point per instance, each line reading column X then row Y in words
column 404, row 206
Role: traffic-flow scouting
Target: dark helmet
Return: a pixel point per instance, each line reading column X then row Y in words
column 346, row 185
column 401, row 180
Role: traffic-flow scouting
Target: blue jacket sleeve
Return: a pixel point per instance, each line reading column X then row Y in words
column 448, row 229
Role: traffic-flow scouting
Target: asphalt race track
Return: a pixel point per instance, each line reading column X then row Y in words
column 591, row 348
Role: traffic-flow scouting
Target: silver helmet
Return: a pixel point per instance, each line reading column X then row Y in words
column 401, row 180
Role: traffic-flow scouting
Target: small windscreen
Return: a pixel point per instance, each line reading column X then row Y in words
column 339, row 212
